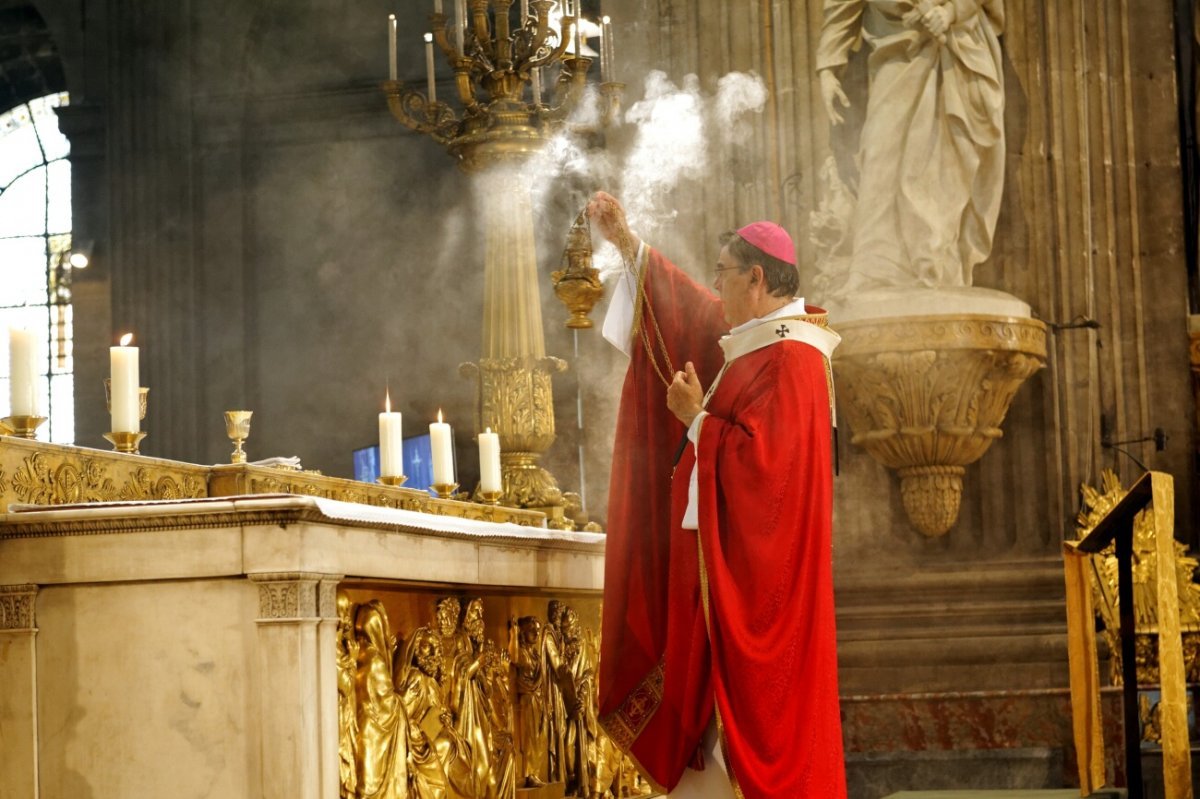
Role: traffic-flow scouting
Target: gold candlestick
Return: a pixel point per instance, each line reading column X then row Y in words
column 125, row 442
column 444, row 490
column 22, row 426
column 490, row 497
column 237, row 427
column 395, row 481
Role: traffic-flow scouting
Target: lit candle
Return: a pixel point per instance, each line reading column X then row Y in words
column 429, row 67
column 489, row 462
column 441, row 441
column 606, row 50
column 123, row 378
column 22, row 373
column 536, row 76
column 392, row 72
column 391, row 441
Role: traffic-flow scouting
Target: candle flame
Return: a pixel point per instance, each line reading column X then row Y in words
column 387, row 401
column 439, row 415
column 125, row 339
column 607, row 19
column 428, row 38
column 488, row 430
column 392, row 17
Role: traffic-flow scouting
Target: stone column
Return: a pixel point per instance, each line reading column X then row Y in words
column 297, row 621
column 18, row 700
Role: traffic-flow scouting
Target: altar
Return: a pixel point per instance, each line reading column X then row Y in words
column 190, row 645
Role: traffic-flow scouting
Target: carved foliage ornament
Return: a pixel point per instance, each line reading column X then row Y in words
column 927, row 395
column 17, row 607
column 44, row 480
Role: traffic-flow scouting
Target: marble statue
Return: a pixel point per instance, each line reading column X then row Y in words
column 932, row 148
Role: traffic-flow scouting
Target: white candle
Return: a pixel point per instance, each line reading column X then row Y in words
column 437, row 6
column 22, row 373
column 536, row 76
column 392, row 72
column 524, row 12
column 391, row 441
column 489, row 462
column 429, row 67
column 123, row 361
column 460, row 21
column 579, row 29
column 441, row 441
column 604, row 50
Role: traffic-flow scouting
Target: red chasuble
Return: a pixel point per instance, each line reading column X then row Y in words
column 735, row 618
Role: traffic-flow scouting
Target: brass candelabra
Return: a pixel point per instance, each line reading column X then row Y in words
column 502, row 118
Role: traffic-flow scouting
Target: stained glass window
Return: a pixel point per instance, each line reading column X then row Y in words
column 35, row 243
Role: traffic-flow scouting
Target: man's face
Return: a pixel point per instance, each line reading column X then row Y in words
column 733, row 286
column 447, row 617
column 429, row 656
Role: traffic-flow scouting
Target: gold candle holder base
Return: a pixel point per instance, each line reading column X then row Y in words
column 23, row 426
column 125, row 442
column 444, row 490
column 491, row 497
column 395, row 481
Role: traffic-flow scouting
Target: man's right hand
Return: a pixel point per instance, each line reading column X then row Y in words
column 607, row 214
column 832, row 94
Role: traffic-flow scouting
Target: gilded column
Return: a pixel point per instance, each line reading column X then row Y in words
column 18, row 699
column 514, row 374
column 297, row 678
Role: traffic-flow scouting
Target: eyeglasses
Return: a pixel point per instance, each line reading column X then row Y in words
column 719, row 269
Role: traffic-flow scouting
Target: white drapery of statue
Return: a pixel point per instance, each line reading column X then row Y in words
column 931, row 155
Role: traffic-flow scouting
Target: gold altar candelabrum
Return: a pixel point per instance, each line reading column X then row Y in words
column 498, row 59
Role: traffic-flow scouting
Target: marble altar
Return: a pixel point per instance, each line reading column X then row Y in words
column 186, row 647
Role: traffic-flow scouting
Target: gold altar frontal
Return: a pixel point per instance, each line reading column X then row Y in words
column 168, row 628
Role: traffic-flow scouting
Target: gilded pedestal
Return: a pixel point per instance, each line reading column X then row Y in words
column 926, row 395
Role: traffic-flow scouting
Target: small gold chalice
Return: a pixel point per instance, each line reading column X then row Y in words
column 237, row 427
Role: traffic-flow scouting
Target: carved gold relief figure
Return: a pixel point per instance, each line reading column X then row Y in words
column 577, row 678
column 531, row 701
column 382, row 723
column 437, row 717
column 475, row 716
column 421, row 691
column 347, row 660
column 556, row 713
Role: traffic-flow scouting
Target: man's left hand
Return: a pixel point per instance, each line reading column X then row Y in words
column 685, row 395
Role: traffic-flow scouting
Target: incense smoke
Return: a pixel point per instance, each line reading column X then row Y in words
column 668, row 139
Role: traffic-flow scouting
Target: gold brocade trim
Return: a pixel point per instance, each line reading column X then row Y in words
column 733, row 780
column 626, row 723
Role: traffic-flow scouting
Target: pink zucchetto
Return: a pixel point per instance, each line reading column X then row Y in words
column 771, row 239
